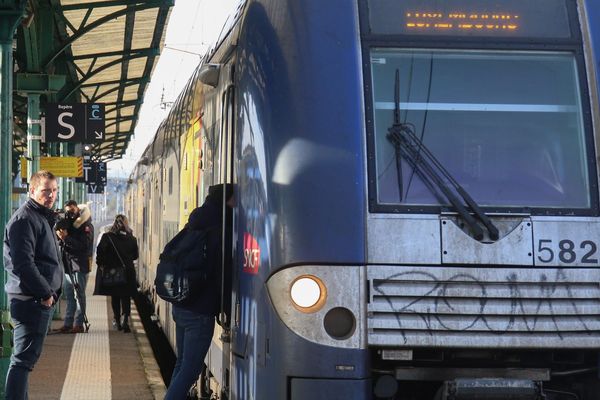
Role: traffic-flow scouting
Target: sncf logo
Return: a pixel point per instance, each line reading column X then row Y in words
column 251, row 254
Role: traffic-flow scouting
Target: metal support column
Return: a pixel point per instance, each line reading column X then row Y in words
column 64, row 182
column 5, row 193
column 77, row 193
column 33, row 134
column 10, row 14
column 82, row 193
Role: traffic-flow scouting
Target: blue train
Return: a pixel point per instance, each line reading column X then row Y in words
column 418, row 203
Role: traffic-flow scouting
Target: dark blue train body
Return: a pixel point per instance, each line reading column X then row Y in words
column 301, row 133
column 362, row 269
column 319, row 139
column 593, row 8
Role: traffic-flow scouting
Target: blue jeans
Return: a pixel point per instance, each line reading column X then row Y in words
column 31, row 321
column 193, row 334
column 75, row 311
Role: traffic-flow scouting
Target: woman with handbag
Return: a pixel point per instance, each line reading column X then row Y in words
column 116, row 275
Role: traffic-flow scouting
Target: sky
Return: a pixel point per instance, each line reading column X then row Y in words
column 193, row 26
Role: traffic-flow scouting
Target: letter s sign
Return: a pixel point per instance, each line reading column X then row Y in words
column 64, row 124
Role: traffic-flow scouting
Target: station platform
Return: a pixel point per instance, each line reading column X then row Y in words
column 101, row 364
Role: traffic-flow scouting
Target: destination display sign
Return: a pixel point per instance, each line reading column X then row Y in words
column 67, row 167
column 507, row 18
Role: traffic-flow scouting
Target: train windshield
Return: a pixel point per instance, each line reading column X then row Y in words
column 507, row 125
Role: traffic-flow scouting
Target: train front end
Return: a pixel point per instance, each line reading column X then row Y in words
column 482, row 232
column 419, row 207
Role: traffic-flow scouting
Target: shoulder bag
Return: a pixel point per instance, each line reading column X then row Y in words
column 113, row 276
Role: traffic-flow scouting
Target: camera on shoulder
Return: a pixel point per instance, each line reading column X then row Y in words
column 64, row 220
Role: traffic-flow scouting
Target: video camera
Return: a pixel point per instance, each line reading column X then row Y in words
column 64, row 220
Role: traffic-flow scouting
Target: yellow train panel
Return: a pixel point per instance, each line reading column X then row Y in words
column 189, row 172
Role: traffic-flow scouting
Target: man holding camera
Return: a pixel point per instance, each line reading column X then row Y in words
column 76, row 235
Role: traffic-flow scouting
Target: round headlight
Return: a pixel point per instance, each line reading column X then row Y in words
column 308, row 293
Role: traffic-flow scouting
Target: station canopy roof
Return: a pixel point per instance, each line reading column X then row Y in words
column 107, row 49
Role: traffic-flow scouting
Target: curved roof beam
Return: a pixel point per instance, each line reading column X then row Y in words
column 147, row 53
column 119, row 120
column 127, row 10
column 121, row 104
column 98, row 4
column 113, row 82
column 131, row 82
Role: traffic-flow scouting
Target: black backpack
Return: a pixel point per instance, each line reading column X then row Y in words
column 183, row 266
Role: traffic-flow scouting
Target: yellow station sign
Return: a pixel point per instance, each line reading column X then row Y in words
column 66, row 167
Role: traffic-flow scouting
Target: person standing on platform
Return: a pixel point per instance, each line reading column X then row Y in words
column 195, row 319
column 118, row 247
column 33, row 264
column 77, row 241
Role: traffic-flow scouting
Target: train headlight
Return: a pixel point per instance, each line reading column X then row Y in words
column 313, row 301
column 308, row 293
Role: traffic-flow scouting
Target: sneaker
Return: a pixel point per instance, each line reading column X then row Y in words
column 78, row 329
column 64, row 329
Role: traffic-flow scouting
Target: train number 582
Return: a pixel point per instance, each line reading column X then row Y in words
column 567, row 251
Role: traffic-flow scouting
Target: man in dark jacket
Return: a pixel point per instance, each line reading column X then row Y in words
column 32, row 262
column 195, row 319
column 76, row 240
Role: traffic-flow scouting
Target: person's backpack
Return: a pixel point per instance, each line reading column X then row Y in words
column 183, row 266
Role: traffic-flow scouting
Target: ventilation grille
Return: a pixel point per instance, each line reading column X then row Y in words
column 483, row 307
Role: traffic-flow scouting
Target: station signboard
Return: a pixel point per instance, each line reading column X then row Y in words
column 75, row 122
column 65, row 167
column 95, row 188
column 94, row 173
column 94, row 176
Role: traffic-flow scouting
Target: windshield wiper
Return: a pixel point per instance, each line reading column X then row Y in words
column 433, row 173
column 398, row 125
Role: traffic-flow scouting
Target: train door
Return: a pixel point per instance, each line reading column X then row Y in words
column 228, row 231
column 217, row 156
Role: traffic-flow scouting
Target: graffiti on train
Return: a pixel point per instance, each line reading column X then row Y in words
column 462, row 302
